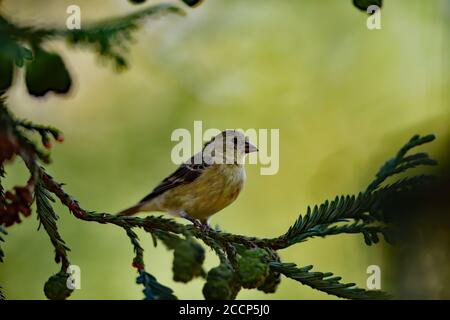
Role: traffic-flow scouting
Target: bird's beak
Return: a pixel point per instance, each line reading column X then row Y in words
column 249, row 148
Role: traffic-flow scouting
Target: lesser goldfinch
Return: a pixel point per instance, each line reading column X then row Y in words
column 205, row 184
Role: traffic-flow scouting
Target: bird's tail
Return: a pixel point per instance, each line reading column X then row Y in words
column 131, row 210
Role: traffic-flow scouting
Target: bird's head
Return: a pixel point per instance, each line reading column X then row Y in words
column 229, row 146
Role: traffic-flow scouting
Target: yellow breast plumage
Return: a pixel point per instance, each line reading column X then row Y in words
column 217, row 187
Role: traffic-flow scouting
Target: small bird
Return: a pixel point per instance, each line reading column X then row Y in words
column 205, row 184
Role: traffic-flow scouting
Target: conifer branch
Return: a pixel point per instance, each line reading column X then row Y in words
column 138, row 260
column 400, row 163
column 345, row 214
column 317, row 222
column 48, row 218
column 244, row 261
column 98, row 31
column 153, row 290
column 2, row 255
column 370, row 233
column 326, row 282
column 109, row 38
column 330, row 218
column 2, row 232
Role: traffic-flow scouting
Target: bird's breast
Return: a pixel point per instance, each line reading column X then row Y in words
column 215, row 189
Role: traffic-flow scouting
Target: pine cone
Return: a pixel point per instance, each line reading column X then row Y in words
column 221, row 284
column 271, row 283
column 252, row 267
column 56, row 287
column 188, row 259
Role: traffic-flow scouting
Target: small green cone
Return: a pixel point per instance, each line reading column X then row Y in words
column 188, row 259
column 252, row 267
column 271, row 283
column 56, row 287
column 221, row 284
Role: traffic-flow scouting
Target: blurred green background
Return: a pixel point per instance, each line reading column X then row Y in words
column 344, row 98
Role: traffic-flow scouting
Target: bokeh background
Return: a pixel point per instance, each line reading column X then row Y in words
column 344, row 98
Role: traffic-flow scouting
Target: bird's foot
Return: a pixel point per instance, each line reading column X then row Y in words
column 201, row 225
column 205, row 227
column 188, row 217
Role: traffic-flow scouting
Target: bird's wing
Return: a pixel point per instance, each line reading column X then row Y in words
column 186, row 173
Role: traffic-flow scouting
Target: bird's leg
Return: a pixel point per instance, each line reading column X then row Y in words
column 195, row 222
column 201, row 224
column 205, row 226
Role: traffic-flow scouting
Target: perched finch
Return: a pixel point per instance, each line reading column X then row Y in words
column 205, row 184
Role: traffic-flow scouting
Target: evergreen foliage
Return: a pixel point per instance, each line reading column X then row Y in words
column 244, row 262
